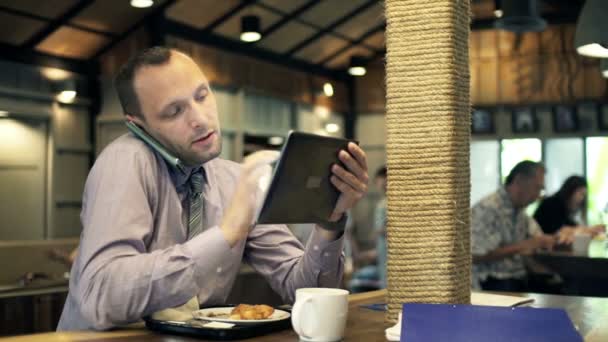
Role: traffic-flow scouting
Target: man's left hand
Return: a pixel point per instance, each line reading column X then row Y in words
column 351, row 182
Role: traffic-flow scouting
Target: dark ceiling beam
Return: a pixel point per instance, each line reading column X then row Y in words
column 31, row 57
column 180, row 30
column 359, row 40
column 309, row 24
column 152, row 16
column 331, row 27
column 566, row 5
column 557, row 18
column 57, row 23
column 290, row 17
column 40, row 18
column 217, row 22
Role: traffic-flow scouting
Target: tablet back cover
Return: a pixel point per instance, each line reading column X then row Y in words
column 300, row 190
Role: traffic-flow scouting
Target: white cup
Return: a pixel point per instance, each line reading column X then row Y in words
column 580, row 245
column 319, row 314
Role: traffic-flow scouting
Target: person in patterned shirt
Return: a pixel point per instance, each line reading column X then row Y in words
column 502, row 232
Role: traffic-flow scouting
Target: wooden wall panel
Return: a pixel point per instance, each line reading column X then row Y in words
column 473, row 45
column 488, row 81
column 511, row 44
column 505, row 69
column 339, row 100
column 574, row 81
column 568, row 37
column 233, row 70
column 532, row 68
column 595, row 87
column 487, row 44
column 119, row 54
column 474, row 81
column 551, row 76
column 551, row 40
column 371, row 91
column 237, row 71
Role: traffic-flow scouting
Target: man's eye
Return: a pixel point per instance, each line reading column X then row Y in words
column 201, row 97
column 175, row 110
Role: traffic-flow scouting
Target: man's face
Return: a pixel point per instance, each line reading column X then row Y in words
column 179, row 109
column 532, row 187
column 381, row 183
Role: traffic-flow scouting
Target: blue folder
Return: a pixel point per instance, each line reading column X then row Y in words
column 472, row 323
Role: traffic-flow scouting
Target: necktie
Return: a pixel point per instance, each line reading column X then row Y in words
column 196, row 204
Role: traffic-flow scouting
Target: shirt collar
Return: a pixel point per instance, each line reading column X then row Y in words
column 180, row 177
column 506, row 199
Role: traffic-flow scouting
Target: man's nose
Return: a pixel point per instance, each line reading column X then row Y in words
column 198, row 117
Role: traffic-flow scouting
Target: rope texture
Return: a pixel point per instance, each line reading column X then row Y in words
column 428, row 133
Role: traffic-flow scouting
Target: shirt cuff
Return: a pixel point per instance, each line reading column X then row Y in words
column 210, row 250
column 323, row 252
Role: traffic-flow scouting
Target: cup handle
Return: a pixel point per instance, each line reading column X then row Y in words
column 296, row 314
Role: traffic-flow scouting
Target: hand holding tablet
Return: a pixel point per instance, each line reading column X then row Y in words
column 316, row 180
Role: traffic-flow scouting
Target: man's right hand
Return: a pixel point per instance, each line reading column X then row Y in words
column 597, row 229
column 238, row 219
column 542, row 241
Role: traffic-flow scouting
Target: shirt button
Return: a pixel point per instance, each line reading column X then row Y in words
column 219, row 270
column 315, row 247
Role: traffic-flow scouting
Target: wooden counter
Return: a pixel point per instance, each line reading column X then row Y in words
column 588, row 314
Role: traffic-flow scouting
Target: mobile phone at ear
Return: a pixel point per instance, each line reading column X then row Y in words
column 154, row 144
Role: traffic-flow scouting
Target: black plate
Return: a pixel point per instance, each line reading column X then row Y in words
column 195, row 328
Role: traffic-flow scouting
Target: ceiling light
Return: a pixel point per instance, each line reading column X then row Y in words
column 142, row 3
column 604, row 67
column 590, row 38
column 276, row 141
column 498, row 9
column 357, row 66
column 592, row 50
column 332, row 128
column 55, row 74
column 67, row 91
column 520, row 16
column 66, row 96
column 322, row 112
column 328, row 89
column 250, row 28
column 3, row 113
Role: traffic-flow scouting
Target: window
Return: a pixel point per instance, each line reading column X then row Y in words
column 265, row 115
column 484, row 168
column 597, row 178
column 563, row 158
column 515, row 150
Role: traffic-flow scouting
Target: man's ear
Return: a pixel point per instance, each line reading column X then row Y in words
column 135, row 119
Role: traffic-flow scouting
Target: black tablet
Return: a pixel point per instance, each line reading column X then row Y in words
column 300, row 189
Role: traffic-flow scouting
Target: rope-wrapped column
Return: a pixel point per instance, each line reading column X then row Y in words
column 428, row 127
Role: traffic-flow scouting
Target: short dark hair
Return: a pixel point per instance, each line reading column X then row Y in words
column 526, row 168
column 124, row 80
column 381, row 172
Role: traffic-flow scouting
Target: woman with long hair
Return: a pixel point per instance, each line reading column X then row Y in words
column 556, row 214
